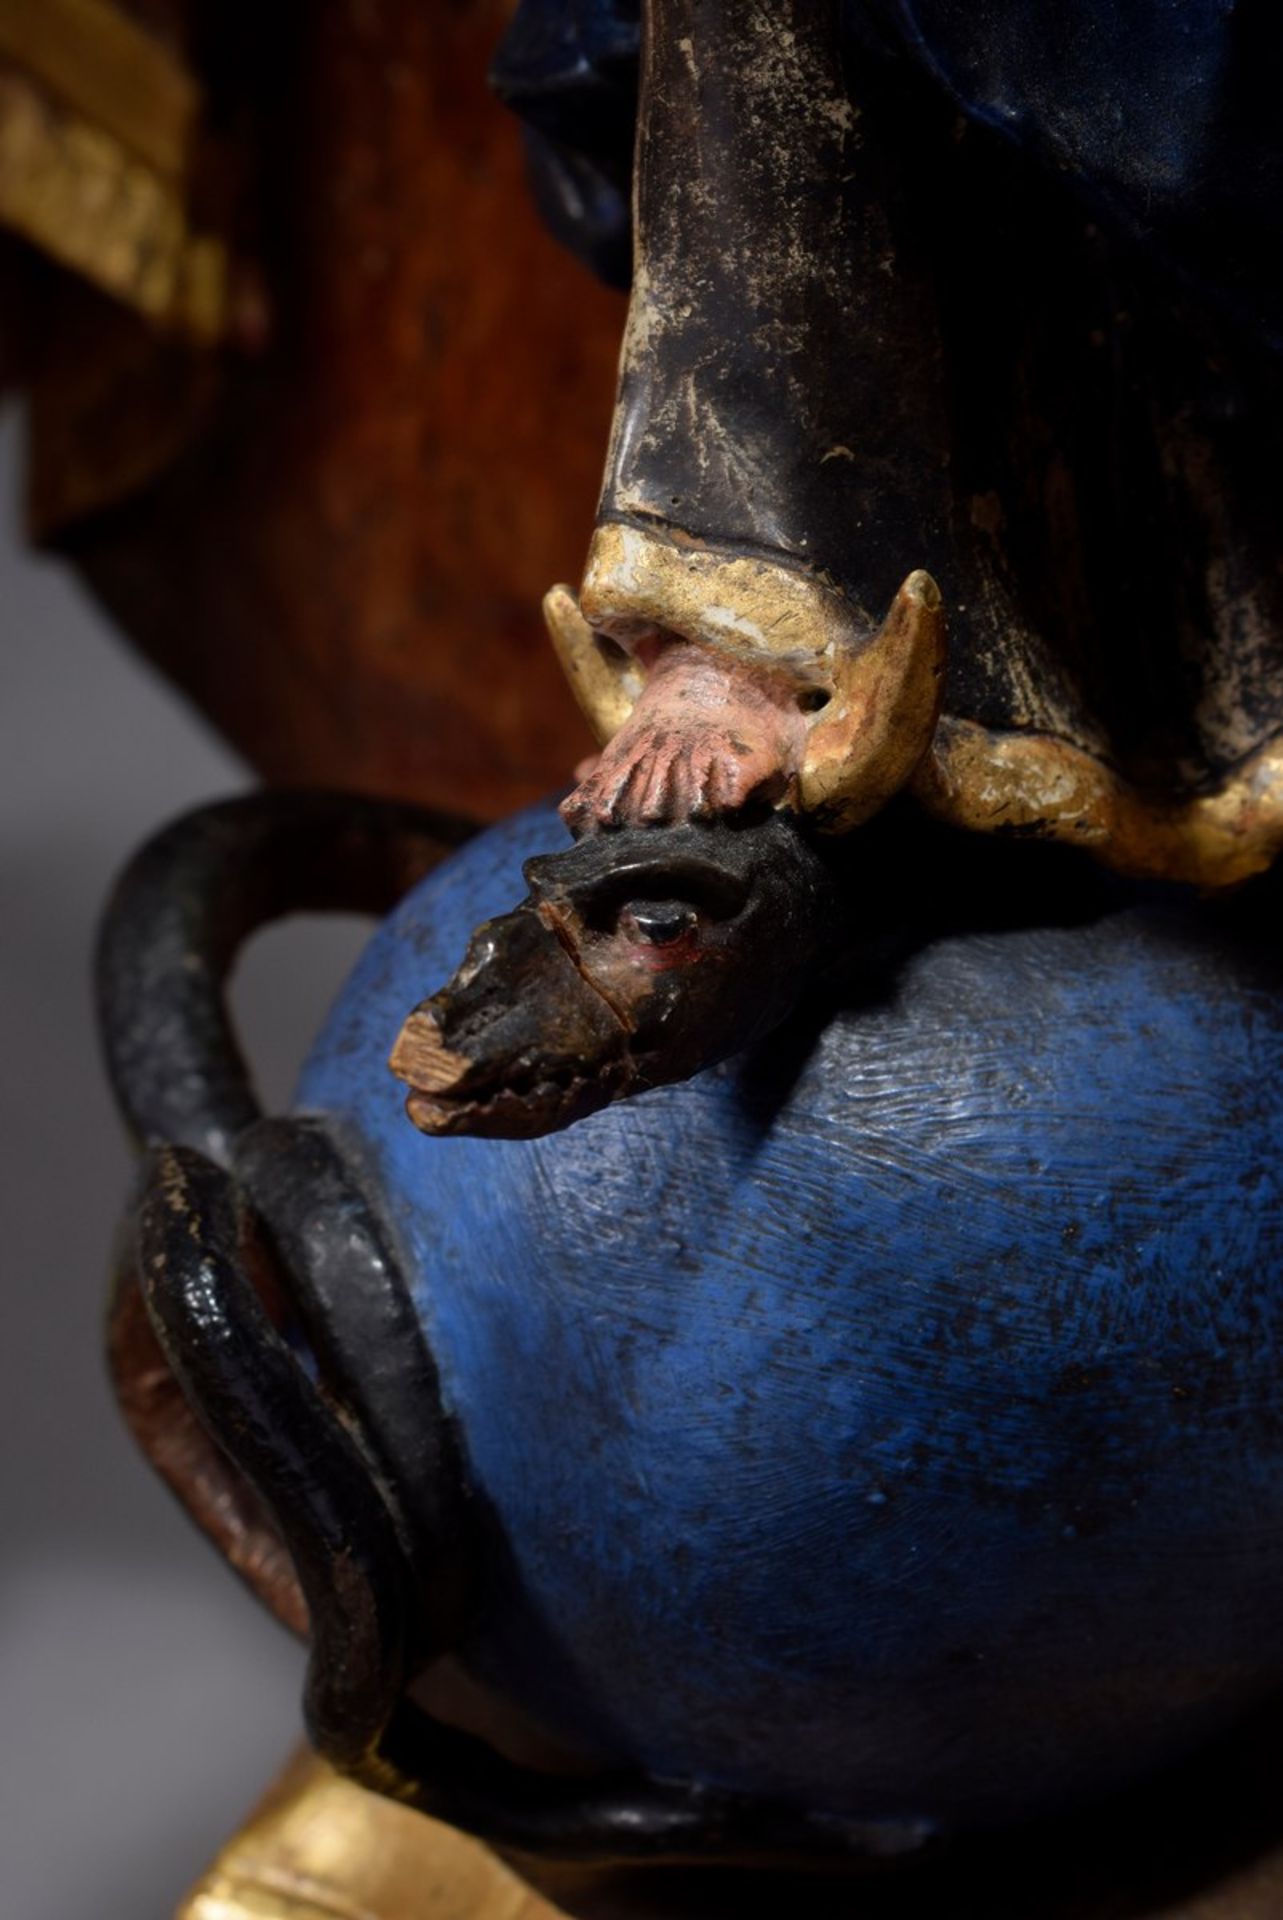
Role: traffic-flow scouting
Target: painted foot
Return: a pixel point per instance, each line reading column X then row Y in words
column 707, row 738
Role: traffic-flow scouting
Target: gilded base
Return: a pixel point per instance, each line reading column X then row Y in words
column 319, row 1848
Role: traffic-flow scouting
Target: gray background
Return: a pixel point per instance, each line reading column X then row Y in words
column 144, row 1699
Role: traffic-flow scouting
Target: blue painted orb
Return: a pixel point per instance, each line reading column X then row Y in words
column 888, row 1421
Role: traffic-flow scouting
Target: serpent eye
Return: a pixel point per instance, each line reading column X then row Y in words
column 660, row 923
column 641, row 884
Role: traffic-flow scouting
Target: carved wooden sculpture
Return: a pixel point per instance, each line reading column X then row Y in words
column 864, row 338
column 863, row 1455
column 831, row 1459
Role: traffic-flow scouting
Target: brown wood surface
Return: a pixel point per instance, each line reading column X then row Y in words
column 344, row 566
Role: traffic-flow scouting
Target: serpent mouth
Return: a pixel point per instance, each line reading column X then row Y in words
column 519, row 1043
column 637, row 958
column 490, row 1094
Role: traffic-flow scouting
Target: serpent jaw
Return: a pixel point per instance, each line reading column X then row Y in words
column 637, row 959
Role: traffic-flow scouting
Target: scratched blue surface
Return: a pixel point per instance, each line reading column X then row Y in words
column 892, row 1420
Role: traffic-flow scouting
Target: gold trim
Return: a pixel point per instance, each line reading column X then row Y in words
column 881, row 729
column 74, row 191
column 606, row 688
column 107, row 71
column 319, row 1848
column 881, row 689
column 637, row 580
column 993, row 782
column 883, row 713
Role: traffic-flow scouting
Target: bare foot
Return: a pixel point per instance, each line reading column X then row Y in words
column 707, row 737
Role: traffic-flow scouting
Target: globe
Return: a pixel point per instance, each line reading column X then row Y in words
column 887, row 1421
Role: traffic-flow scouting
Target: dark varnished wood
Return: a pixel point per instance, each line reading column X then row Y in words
column 339, row 554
